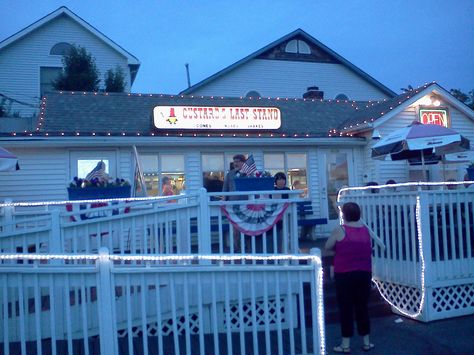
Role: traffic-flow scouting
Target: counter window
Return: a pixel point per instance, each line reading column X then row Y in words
column 156, row 167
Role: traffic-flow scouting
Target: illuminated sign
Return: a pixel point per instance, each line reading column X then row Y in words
column 434, row 116
column 216, row 117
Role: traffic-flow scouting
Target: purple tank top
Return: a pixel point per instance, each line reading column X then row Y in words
column 354, row 252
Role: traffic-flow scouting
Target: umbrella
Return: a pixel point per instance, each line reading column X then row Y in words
column 420, row 144
column 8, row 162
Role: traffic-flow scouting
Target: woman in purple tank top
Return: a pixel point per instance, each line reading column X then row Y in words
column 352, row 245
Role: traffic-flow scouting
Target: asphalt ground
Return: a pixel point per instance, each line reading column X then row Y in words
column 390, row 336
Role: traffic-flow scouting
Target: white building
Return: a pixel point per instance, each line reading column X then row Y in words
column 31, row 58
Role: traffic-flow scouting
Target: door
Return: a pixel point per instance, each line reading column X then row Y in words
column 336, row 170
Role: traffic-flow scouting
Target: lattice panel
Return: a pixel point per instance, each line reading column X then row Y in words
column 452, row 298
column 166, row 327
column 247, row 316
column 404, row 297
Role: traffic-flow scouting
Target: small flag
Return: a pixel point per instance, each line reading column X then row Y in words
column 249, row 167
column 98, row 172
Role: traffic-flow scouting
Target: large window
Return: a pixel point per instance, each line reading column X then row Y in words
column 156, row 167
column 213, row 171
column 292, row 164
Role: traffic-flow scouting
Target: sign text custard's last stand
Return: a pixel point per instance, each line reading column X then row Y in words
column 216, row 117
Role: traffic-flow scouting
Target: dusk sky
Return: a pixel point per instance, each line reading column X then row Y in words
column 398, row 42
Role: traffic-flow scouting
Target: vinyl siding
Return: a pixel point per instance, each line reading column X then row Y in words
column 278, row 78
column 21, row 61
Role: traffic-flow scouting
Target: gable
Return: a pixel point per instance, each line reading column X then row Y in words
column 316, row 53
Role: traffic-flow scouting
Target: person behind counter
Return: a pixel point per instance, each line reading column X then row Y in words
column 353, row 273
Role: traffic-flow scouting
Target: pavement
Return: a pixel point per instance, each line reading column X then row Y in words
column 390, row 336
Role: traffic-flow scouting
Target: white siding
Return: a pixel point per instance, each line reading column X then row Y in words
column 278, row 78
column 43, row 176
column 193, row 171
column 383, row 170
column 21, row 61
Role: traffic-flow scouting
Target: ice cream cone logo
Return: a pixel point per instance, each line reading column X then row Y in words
column 172, row 118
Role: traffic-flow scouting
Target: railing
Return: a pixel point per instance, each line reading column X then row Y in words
column 194, row 223
column 429, row 247
column 156, row 305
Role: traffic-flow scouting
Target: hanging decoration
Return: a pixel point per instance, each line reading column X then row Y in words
column 254, row 219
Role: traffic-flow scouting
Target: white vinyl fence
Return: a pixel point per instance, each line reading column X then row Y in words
column 427, row 267
column 193, row 223
column 194, row 304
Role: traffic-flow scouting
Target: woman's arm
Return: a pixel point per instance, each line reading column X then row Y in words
column 336, row 235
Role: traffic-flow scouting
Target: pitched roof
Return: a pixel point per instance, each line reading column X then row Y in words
column 299, row 33
column 373, row 113
column 64, row 11
column 131, row 114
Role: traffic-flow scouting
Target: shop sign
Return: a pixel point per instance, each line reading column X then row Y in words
column 216, row 117
column 434, row 116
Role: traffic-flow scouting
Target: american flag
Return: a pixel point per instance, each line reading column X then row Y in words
column 249, row 167
column 98, row 172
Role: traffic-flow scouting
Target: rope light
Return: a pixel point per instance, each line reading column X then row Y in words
column 343, row 192
column 196, row 257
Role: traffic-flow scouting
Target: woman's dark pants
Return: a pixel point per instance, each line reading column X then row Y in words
column 353, row 291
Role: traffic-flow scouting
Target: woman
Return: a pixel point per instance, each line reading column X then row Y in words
column 353, row 272
column 167, row 189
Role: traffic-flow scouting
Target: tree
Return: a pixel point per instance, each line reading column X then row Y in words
column 468, row 99
column 114, row 80
column 407, row 89
column 79, row 71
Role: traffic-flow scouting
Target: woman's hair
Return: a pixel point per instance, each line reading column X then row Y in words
column 279, row 176
column 351, row 212
column 165, row 180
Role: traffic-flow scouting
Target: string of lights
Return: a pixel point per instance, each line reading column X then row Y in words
column 344, row 191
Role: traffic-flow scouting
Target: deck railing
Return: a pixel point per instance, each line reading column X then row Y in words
column 193, row 223
column 153, row 305
column 426, row 269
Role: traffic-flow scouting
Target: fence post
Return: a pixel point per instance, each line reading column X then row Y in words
column 9, row 225
column 317, row 303
column 56, row 239
column 204, row 223
column 107, row 322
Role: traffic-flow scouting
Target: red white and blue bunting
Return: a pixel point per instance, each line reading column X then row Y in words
column 254, row 219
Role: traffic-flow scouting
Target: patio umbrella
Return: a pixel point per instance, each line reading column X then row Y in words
column 420, row 143
column 8, row 162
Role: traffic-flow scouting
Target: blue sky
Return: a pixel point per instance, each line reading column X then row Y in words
column 398, row 42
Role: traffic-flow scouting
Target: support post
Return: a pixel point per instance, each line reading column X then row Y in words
column 204, row 229
column 107, row 324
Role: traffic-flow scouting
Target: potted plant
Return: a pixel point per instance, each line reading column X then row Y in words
column 82, row 189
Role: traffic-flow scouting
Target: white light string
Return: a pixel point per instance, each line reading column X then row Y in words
column 64, row 202
column 196, row 257
column 419, row 230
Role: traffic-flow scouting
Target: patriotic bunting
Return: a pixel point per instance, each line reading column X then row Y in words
column 254, row 219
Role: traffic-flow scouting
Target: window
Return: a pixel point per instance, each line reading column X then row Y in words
column 82, row 163
column 60, row 48
column 156, row 167
column 292, row 164
column 298, row 47
column 47, row 76
column 213, row 172
column 253, row 93
column 341, row 97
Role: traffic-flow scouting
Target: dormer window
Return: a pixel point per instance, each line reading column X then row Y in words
column 297, row 46
column 60, row 48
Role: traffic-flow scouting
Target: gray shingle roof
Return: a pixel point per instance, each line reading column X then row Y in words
column 132, row 113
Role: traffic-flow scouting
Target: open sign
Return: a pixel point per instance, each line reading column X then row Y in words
column 434, row 116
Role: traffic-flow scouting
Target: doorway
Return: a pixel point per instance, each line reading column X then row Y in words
column 336, row 171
